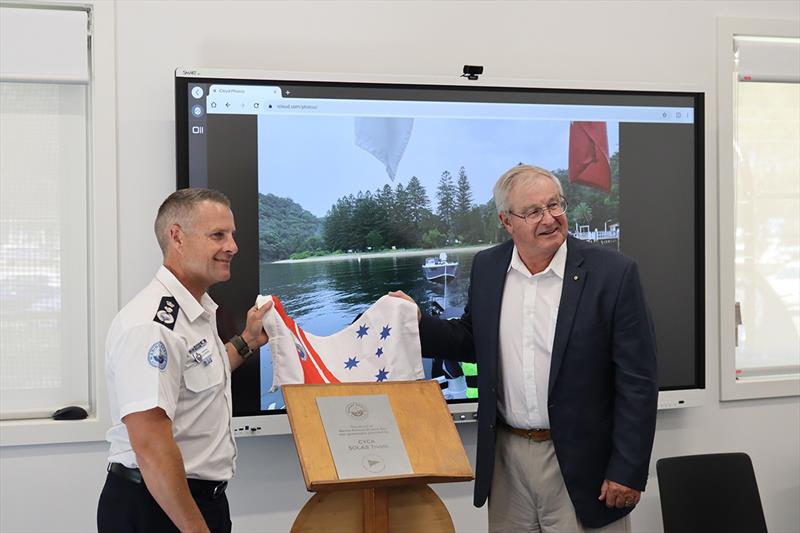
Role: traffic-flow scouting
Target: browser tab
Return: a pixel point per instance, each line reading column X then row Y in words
column 248, row 91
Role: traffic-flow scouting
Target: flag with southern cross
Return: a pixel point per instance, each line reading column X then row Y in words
column 381, row 345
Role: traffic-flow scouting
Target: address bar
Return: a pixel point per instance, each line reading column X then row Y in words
column 234, row 104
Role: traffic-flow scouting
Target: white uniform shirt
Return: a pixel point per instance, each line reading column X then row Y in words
column 163, row 350
column 527, row 329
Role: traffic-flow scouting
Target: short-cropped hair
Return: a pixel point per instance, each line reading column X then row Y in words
column 179, row 209
column 519, row 174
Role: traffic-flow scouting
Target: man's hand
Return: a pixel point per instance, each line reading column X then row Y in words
column 254, row 334
column 161, row 464
column 406, row 297
column 616, row 495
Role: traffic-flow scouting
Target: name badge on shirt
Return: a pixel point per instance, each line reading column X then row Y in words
column 201, row 353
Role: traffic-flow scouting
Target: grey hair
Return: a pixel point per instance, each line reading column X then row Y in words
column 179, row 209
column 520, row 173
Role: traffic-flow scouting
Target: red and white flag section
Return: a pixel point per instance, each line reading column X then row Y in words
column 382, row 345
column 588, row 155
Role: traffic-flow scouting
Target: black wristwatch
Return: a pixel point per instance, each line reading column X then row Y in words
column 241, row 347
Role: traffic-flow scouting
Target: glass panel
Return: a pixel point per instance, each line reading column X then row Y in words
column 43, row 248
column 768, row 229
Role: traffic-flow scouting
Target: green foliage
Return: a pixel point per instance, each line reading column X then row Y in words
column 418, row 213
column 467, row 227
column 300, row 255
column 582, row 213
column 446, row 203
column 402, row 217
column 315, row 244
column 374, row 239
column 491, row 223
column 286, row 228
column 472, row 226
column 603, row 207
column 433, row 238
column 463, row 192
column 338, row 222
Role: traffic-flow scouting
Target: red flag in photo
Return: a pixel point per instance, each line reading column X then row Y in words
column 588, row 155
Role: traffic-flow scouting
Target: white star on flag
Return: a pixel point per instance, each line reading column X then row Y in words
column 382, row 345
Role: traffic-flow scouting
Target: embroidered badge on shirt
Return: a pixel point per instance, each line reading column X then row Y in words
column 167, row 312
column 157, row 356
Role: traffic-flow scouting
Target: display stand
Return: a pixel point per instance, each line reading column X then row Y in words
column 378, row 504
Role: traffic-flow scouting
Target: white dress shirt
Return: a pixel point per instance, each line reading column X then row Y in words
column 527, row 328
column 163, row 351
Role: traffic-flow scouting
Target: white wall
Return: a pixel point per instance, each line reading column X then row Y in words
column 664, row 44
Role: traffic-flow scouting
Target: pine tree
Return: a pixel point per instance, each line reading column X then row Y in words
column 338, row 224
column 385, row 200
column 401, row 218
column 463, row 204
column 445, row 208
column 366, row 216
column 417, row 200
column 463, row 193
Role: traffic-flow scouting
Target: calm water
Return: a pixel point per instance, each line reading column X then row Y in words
column 326, row 296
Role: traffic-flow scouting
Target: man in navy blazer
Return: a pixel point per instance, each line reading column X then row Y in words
column 565, row 346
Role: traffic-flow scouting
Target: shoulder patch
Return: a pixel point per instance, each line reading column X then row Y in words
column 157, row 356
column 167, row 312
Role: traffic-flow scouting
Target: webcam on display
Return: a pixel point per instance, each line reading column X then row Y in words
column 471, row 72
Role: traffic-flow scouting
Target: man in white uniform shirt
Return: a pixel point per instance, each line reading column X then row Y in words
column 172, row 447
column 566, row 355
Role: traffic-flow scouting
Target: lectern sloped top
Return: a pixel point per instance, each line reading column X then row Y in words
column 430, row 437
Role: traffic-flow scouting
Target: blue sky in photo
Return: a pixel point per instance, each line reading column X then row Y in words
column 314, row 160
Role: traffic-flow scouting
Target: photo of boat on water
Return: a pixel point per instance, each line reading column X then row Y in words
column 339, row 229
column 439, row 268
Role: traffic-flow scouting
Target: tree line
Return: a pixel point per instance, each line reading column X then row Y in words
column 405, row 216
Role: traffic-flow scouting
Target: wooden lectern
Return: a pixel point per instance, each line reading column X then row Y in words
column 378, row 504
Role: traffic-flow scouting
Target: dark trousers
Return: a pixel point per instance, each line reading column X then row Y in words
column 128, row 507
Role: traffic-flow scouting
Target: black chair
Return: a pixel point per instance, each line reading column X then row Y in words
column 707, row 493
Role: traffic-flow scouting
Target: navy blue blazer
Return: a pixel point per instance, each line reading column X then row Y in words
column 603, row 392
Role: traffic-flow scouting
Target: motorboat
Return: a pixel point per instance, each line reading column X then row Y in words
column 439, row 268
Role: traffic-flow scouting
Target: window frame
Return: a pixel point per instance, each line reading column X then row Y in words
column 730, row 388
column 102, row 272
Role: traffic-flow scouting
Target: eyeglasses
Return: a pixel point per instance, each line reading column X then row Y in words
column 556, row 209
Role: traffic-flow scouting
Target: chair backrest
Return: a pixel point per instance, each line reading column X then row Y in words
column 707, row 493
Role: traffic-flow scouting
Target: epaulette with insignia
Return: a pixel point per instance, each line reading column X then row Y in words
column 167, row 312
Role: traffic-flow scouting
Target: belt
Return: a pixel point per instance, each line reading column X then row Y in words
column 131, row 474
column 200, row 488
column 535, row 434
